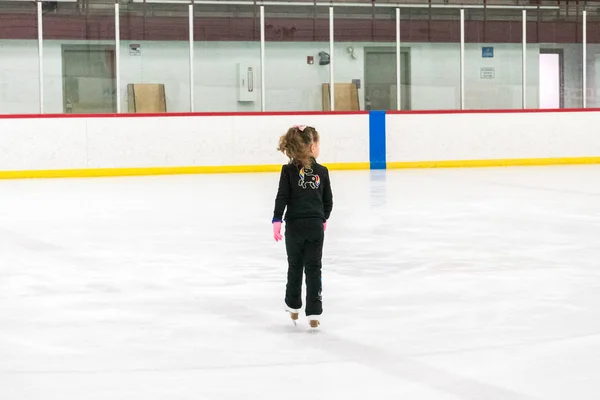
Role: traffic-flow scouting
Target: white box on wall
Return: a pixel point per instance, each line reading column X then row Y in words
column 246, row 82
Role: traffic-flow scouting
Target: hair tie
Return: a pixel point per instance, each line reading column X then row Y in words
column 301, row 128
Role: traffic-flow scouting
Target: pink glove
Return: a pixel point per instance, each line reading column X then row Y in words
column 324, row 226
column 277, row 231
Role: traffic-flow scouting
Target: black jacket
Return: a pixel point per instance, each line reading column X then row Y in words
column 305, row 191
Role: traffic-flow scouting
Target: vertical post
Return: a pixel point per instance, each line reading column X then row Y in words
column 118, row 55
column 524, row 61
column 331, row 57
column 584, row 59
column 462, row 58
column 191, row 30
column 40, row 55
column 263, row 85
column 398, row 63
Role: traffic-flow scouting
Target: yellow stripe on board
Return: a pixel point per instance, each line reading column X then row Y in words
column 114, row 172
column 348, row 166
column 508, row 162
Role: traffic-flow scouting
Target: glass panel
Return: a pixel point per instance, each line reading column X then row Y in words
column 365, row 59
column 79, row 58
column 493, row 59
column 431, row 40
column 19, row 74
column 297, row 58
column 554, row 58
column 226, row 58
column 155, row 54
column 593, row 59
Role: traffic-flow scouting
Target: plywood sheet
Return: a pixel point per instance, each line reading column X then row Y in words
column 346, row 97
column 146, row 98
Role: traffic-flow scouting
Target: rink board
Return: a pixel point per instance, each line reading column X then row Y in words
column 80, row 146
column 48, row 146
column 482, row 139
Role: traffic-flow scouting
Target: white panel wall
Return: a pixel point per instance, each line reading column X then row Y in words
column 34, row 144
column 292, row 84
column 129, row 142
column 53, row 99
column 435, row 76
column 443, row 137
column 19, row 82
column 573, row 67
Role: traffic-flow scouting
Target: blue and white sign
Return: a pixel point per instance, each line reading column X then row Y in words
column 487, row 52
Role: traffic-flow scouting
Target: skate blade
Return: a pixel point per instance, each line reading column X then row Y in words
column 294, row 316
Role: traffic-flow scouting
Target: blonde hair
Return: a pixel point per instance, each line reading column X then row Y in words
column 295, row 144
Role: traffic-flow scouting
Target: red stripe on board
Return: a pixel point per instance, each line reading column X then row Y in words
column 184, row 114
column 507, row 111
column 290, row 113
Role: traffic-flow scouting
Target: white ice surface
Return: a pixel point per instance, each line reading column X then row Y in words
column 478, row 284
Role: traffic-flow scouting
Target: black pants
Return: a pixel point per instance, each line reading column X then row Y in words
column 304, row 245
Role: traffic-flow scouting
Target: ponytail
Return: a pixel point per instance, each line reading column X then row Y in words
column 295, row 144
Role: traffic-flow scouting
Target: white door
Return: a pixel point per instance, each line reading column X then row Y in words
column 549, row 80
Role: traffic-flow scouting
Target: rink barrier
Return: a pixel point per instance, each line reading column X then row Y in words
column 352, row 142
column 488, row 138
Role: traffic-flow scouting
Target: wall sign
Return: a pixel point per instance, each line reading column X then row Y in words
column 488, row 72
column 487, row 52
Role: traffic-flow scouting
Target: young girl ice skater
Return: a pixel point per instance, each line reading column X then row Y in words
column 305, row 189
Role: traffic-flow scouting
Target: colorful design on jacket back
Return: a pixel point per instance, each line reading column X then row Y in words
column 308, row 178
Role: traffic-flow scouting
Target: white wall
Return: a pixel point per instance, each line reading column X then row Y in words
column 573, row 68
column 19, row 77
column 504, row 91
column 435, row 76
column 485, row 136
column 593, row 75
column 292, row 84
column 130, row 142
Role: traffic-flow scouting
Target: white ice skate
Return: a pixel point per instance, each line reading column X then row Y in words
column 293, row 314
column 313, row 321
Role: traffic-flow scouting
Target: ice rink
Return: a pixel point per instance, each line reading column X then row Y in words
column 477, row 284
